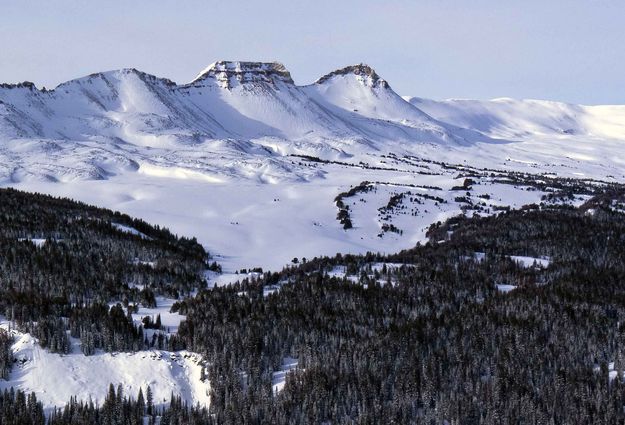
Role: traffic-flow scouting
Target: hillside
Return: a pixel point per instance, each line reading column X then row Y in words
column 118, row 121
column 249, row 162
column 521, row 119
column 451, row 331
column 447, row 331
column 76, row 283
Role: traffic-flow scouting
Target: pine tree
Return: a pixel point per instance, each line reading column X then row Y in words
column 140, row 404
column 149, row 401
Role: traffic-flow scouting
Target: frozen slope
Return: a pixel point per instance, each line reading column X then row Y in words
column 513, row 119
column 232, row 121
column 206, row 150
column 228, row 99
column 359, row 96
column 55, row 378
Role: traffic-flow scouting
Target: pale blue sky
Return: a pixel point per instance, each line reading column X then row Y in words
column 570, row 50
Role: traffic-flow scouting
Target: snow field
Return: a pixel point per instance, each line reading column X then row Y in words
column 55, row 378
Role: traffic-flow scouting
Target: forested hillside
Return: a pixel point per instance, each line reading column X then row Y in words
column 63, row 262
column 515, row 318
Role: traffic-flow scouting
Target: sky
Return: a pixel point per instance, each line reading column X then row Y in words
column 566, row 50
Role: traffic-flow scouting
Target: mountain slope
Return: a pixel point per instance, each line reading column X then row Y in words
column 253, row 163
column 242, row 120
column 236, row 119
column 66, row 270
column 229, row 99
column 513, row 119
column 359, row 96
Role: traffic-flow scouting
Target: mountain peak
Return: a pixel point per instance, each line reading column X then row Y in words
column 229, row 73
column 366, row 74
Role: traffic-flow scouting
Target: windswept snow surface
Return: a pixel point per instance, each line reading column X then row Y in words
column 519, row 119
column 238, row 120
column 248, row 224
column 261, row 225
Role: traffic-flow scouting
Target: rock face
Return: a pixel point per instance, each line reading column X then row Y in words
column 364, row 73
column 228, row 74
column 26, row 84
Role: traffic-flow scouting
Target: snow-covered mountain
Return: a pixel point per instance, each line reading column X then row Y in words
column 239, row 119
column 234, row 120
column 242, row 100
column 197, row 157
column 98, row 119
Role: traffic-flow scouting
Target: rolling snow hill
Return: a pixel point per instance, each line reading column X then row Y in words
column 521, row 119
